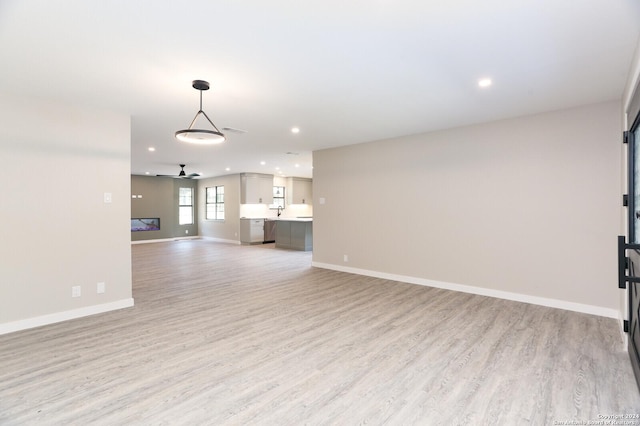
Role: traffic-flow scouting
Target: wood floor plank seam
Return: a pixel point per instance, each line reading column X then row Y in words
column 223, row 334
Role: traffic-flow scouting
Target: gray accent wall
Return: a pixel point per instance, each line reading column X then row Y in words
column 528, row 205
column 159, row 199
column 57, row 231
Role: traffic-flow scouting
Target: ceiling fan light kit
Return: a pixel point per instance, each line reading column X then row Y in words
column 200, row 136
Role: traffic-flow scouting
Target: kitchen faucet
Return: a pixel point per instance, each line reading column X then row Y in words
column 279, row 210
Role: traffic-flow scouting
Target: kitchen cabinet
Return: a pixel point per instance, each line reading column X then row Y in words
column 251, row 231
column 295, row 234
column 300, row 191
column 256, row 188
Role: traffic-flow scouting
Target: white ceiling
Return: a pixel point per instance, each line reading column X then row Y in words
column 344, row 72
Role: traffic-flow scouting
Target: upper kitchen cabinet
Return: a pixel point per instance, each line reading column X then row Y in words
column 256, row 188
column 300, row 191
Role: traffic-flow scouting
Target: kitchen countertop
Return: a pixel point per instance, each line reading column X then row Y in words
column 289, row 219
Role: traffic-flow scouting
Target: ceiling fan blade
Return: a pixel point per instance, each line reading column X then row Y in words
column 182, row 174
column 232, row 130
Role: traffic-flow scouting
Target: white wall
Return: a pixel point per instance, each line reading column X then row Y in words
column 57, row 232
column 525, row 208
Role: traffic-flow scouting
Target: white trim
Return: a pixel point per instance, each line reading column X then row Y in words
column 11, row 327
column 622, row 317
column 624, row 336
column 163, row 240
column 197, row 237
column 632, row 79
column 535, row 300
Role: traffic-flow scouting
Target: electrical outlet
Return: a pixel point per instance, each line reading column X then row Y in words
column 107, row 197
column 346, row 258
column 186, row 231
column 76, row 291
column 100, row 288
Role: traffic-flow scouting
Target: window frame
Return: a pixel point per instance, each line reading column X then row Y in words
column 182, row 206
column 217, row 206
column 275, row 205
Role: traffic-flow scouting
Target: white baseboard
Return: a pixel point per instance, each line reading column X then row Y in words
column 25, row 324
column 534, row 300
column 623, row 316
column 163, row 240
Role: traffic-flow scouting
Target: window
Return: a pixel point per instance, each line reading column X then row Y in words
column 215, row 203
column 185, row 206
column 278, row 197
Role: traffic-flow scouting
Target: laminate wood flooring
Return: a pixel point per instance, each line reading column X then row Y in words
column 252, row 335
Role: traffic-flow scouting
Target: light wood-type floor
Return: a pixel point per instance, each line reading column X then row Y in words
column 252, row 335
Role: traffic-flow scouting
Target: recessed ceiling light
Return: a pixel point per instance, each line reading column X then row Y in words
column 228, row 169
column 484, row 82
column 146, row 173
column 295, row 130
column 262, row 163
column 297, row 165
column 151, row 149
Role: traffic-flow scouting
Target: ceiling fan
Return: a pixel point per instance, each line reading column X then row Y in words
column 182, row 174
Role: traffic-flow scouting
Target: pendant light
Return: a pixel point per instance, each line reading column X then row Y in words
column 200, row 136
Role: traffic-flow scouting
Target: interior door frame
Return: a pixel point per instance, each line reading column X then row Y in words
column 633, row 117
column 633, row 261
